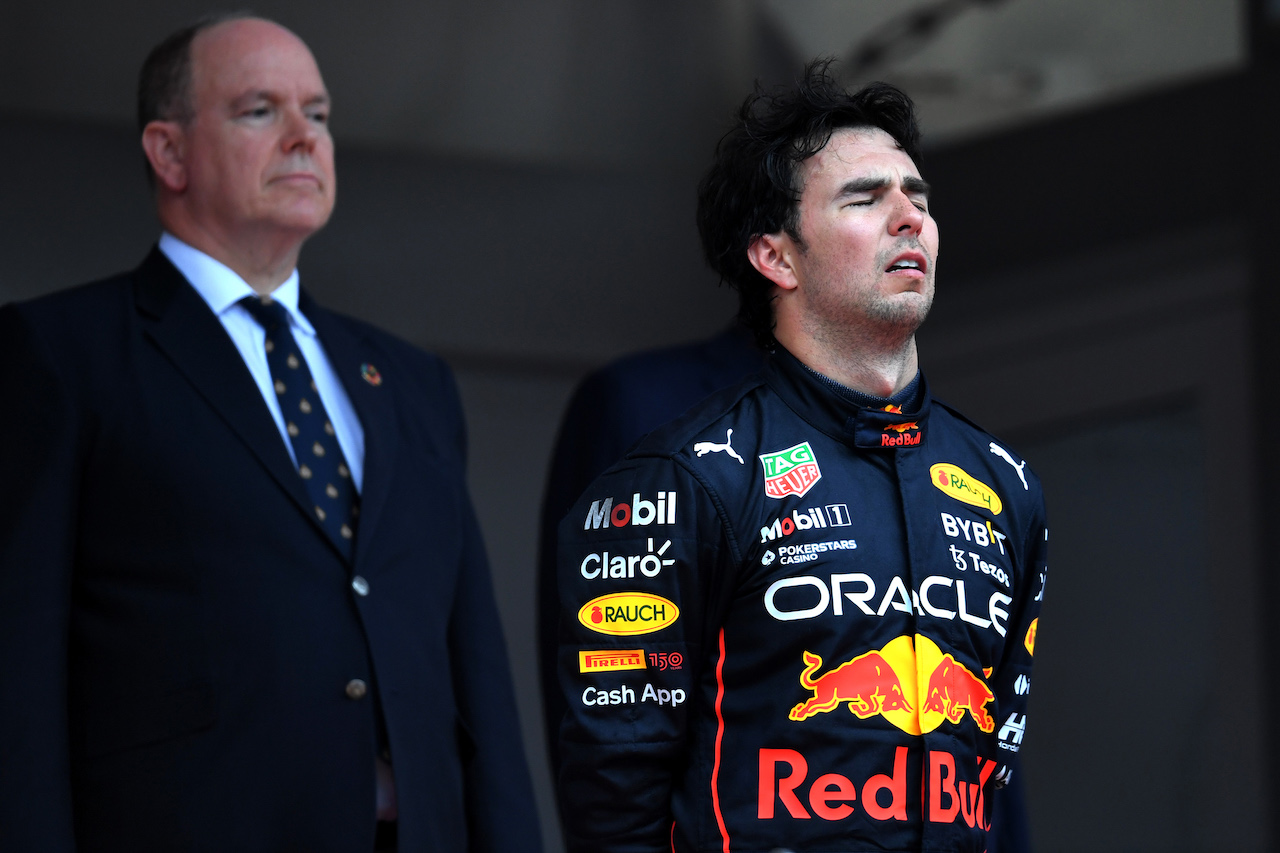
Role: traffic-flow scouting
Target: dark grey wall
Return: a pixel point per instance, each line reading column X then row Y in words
column 1088, row 310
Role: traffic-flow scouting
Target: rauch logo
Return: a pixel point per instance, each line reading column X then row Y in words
column 626, row 613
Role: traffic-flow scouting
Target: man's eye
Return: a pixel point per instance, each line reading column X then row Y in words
column 320, row 118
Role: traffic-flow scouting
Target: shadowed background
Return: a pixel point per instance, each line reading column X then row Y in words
column 516, row 192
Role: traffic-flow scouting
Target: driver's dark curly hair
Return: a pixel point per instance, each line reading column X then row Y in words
column 751, row 188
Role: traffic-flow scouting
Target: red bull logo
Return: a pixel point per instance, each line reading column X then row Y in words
column 901, row 440
column 1030, row 641
column 950, row 797
column 953, row 689
column 907, row 434
column 867, row 683
column 873, row 684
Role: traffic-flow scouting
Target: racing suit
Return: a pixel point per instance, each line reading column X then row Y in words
column 789, row 621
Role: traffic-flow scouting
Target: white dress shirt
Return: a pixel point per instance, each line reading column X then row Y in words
column 222, row 290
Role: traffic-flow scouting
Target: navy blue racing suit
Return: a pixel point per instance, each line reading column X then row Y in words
column 789, row 621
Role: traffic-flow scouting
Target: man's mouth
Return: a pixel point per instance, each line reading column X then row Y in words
column 909, row 262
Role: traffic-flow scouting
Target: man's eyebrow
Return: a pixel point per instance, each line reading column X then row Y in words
column 321, row 99
column 916, row 186
column 910, row 185
column 862, row 185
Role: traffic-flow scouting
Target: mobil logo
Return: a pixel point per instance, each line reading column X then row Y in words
column 790, row 472
column 624, row 614
column 638, row 513
column 816, row 517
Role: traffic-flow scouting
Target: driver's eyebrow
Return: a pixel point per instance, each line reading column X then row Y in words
column 862, row 185
column 911, row 185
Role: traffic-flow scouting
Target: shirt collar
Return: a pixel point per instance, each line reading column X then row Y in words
column 221, row 288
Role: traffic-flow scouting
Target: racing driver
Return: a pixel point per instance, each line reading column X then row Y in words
column 802, row 616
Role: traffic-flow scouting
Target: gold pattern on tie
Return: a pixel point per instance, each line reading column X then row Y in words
column 311, row 434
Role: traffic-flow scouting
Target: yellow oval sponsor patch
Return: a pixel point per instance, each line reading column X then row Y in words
column 1030, row 641
column 626, row 613
column 955, row 482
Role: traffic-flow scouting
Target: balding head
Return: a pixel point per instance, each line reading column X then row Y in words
column 244, row 162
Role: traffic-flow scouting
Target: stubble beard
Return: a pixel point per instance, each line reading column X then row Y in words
column 873, row 324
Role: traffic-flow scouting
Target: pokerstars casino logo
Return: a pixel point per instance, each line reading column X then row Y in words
column 790, row 472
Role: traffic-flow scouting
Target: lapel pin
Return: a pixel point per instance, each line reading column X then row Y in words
column 371, row 374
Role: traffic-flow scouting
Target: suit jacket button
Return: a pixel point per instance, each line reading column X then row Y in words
column 360, row 585
column 356, row 689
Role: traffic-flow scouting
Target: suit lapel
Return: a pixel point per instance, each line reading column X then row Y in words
column 190, row 335
column 356, row 363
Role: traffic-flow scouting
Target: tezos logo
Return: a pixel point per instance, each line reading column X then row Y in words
column 953, row 481
column 626, row 613
column 638, row 512
column 790, row 472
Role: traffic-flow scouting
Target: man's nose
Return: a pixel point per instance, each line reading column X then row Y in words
column 906, row 218
column 300, row 131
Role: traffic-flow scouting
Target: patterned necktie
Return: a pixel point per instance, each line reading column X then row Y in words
column 320, row 461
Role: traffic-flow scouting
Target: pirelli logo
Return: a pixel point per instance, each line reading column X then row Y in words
column 610, row 660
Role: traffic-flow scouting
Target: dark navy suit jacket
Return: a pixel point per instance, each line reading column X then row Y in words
column 176, row 631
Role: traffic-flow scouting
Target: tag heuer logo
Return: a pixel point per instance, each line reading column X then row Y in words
column 790, row 472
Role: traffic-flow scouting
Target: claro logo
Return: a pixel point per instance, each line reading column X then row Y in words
column 624, row 614
column 953, row 481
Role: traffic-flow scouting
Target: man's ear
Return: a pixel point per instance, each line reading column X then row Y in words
column 771, row 255
column 164, row 143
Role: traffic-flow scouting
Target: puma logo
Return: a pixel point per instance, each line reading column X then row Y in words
column 702, row 448
column 1004, row 454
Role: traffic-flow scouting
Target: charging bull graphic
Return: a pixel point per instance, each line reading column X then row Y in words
column 867, row 683
column 953, row 689
column 910, row 681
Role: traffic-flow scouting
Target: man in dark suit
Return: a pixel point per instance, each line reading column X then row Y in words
column 244, row 605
